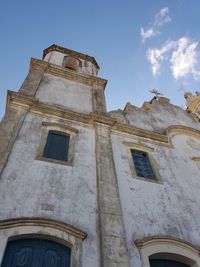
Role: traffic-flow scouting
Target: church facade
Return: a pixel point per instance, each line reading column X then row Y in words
column 80, row 186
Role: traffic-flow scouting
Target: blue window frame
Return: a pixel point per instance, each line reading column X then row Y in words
column 57, row 146
column 142, row 164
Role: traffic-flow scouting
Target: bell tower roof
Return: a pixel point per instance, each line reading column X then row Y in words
column 70, row 52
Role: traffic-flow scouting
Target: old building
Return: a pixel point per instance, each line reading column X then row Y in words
column 80, row 186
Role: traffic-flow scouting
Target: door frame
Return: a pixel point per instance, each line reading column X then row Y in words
column 167, row 247
column 59, row 232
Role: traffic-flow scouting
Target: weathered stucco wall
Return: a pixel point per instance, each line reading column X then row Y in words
column 98, row 192
column 157, row 118
column 33, row 188
column 65, row 93
column 167, row 208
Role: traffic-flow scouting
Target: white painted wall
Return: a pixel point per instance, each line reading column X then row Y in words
column 65, row 93
column 158, row 118
column 170, row 208
column 33, row 188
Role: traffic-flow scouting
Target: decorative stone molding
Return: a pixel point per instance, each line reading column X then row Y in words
column 196, row 159
column 179, row 129
column 102, row 119
column 139, row 146
column 69, row 229
column 193, row 103
column 32, row 104
column 64, row 129
column 10, row 126
column 43, row 228
column 112, row 239
column 167, row 240
column 165, row 247
column 59, row 125
column 162, row 138
column 66, row 73
column 149, row 151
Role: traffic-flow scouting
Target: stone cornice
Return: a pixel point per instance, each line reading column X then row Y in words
column 68, row 74
column 20, row 100
column 70, row 52
column 33, row 105
column 140, row 132
column 102, row 118
column 11, row 223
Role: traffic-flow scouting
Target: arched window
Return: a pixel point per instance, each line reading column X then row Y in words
column 167, row 252
column 38, row 242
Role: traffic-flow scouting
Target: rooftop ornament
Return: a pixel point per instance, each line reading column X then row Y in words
column 193, row 103
column 156, row 95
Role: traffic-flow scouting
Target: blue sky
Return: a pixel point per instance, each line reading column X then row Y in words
column 139, row 44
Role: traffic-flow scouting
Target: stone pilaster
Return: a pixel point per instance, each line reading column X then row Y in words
column 32, row 81
column 112, row 236
column 99, row 102
column 9, row 128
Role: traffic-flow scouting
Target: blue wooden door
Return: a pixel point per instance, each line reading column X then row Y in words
column 166, row 263
column 36, row 253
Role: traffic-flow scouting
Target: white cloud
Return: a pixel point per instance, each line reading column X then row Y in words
column 161, row 18
column 183, row 58
column 156, row 56
column 147, row 34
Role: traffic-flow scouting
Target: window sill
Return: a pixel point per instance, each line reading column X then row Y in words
column 156, row 181
column 61, row 162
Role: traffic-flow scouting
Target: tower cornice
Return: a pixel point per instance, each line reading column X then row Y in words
column 68, row 74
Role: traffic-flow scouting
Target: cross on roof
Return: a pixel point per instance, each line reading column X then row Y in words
column 155, row 92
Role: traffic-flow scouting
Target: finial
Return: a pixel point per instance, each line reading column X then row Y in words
column 193, row 103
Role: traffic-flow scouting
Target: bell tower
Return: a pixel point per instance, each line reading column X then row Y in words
column 67, row 79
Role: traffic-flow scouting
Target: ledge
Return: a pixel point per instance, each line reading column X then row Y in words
column 33, row 105
column 66, row 73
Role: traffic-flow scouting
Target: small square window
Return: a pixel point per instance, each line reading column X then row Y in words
column 57, row 146
column 142, row 164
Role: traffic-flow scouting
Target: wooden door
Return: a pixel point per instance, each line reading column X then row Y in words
column 36, row 253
